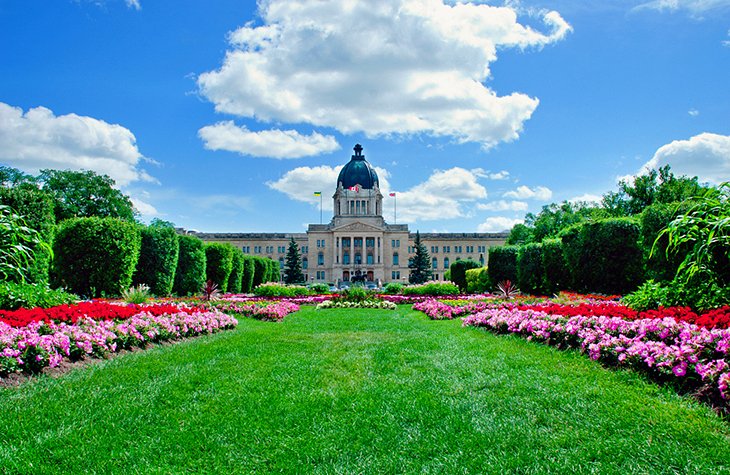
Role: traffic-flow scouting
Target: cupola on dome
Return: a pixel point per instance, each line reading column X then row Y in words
column 358, row 172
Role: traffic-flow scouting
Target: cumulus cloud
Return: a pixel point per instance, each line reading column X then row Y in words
column 133, row 4
column 706, row 156
column 495, row 224
column 441, row 196
column 39, row 139
column 501, row 175
column 503, row 205
column 144, row 208
column 540, row 193
column 266, row 143
column 381, row 67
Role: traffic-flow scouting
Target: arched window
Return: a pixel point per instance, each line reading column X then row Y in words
column 370, row 260
column 434, row 263
column 481, row 259
column 446, row 263
column 305, row 263
column 346, row 258
column 281, row 263
column 320, row 259
column 395, row 259
column 358, row 258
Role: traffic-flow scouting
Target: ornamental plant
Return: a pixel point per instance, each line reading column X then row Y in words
column 190, row 270
column 218, row 263
column 158, row 256
column 96, row 256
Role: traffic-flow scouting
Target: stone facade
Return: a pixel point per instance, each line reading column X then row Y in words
column 357, row 244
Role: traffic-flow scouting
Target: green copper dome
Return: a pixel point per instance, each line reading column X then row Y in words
column 358, row 172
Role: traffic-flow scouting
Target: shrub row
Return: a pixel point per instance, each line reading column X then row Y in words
column 603, row 256
column 103, row 256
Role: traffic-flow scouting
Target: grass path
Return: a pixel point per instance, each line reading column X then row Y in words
column 355, row 391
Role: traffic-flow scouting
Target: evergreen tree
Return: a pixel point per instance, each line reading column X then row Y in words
column 420, row 266
column 293, row 266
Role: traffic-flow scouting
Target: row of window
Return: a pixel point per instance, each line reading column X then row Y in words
column 369, row 242
column 357, row 242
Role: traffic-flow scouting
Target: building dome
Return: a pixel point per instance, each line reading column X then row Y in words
column 358, row 172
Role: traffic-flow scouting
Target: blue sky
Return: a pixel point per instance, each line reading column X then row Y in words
column 227, row 115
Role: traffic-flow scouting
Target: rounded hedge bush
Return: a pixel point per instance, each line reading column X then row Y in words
column 248, row 274
column 530, row 270
column 236, row 278
column 96, row 257
column 502, row 264
column 190, row 271
column 158, row 256
column 555, row 275
column 458, row 272
column 260, row 271
column 218, row 263
column 477, row 280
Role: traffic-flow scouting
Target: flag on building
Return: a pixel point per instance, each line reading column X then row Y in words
column 317, row 193
column 392, row 194
column 355, row 188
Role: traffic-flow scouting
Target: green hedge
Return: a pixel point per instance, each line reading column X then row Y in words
column 477, row 280
column 530, row 270
column 274, row 270
column 502, row 264
column 654, row 219
column 555, row 274
column 190, row 271
column 431, row 288
column 604, row 256
column 273, row 289
column 458, row 272
column 158, row 256
column 218, row 263
column 260, row 271
column 236, row 278
column 96, row 257
column 248, row 272
column 36, row 208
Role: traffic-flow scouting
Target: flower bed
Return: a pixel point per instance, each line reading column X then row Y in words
column 694, row 358
column 380, row 304
column 44, row 343
column 267, row 310
column 96, row 310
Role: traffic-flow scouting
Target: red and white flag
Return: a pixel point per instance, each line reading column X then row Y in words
column 392, row 194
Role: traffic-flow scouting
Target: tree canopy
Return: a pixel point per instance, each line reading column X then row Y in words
column 86, row 194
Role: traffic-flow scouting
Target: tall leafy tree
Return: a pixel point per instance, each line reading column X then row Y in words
column 86, row 194
column 420, row 265
column 293, row 265
column 12, row 177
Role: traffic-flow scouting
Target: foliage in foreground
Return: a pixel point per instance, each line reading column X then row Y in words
column 14, row 296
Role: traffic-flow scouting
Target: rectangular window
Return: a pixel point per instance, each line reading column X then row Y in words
column 370, row 259
column 370, row 242
column 434, row 263
column 395, row 275
column 447, row 249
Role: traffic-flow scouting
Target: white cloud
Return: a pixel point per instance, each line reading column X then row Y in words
column 540, row 193
column 439, row 197
column 266, row 143
column 586, row 198
column 727, row 42
column 503, row 205
column 380, row 67
column 38, row 139
column 694, row 7
column 501, row 175
column 497, row 224
column 133, row 4
column 144, row 208
column 693, row 112
column 706, row 156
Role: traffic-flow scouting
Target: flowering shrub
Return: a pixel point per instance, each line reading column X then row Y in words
column 261, row 310
column 379, row 304
column 46, row 343
column 93, row 310
column 695, row 358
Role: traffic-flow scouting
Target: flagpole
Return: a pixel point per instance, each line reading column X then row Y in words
column 320, row 208
column 395, row 209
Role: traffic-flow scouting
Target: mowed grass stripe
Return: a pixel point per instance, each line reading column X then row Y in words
column 355, row 391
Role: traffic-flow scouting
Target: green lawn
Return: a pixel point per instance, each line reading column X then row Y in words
column 355, row 391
